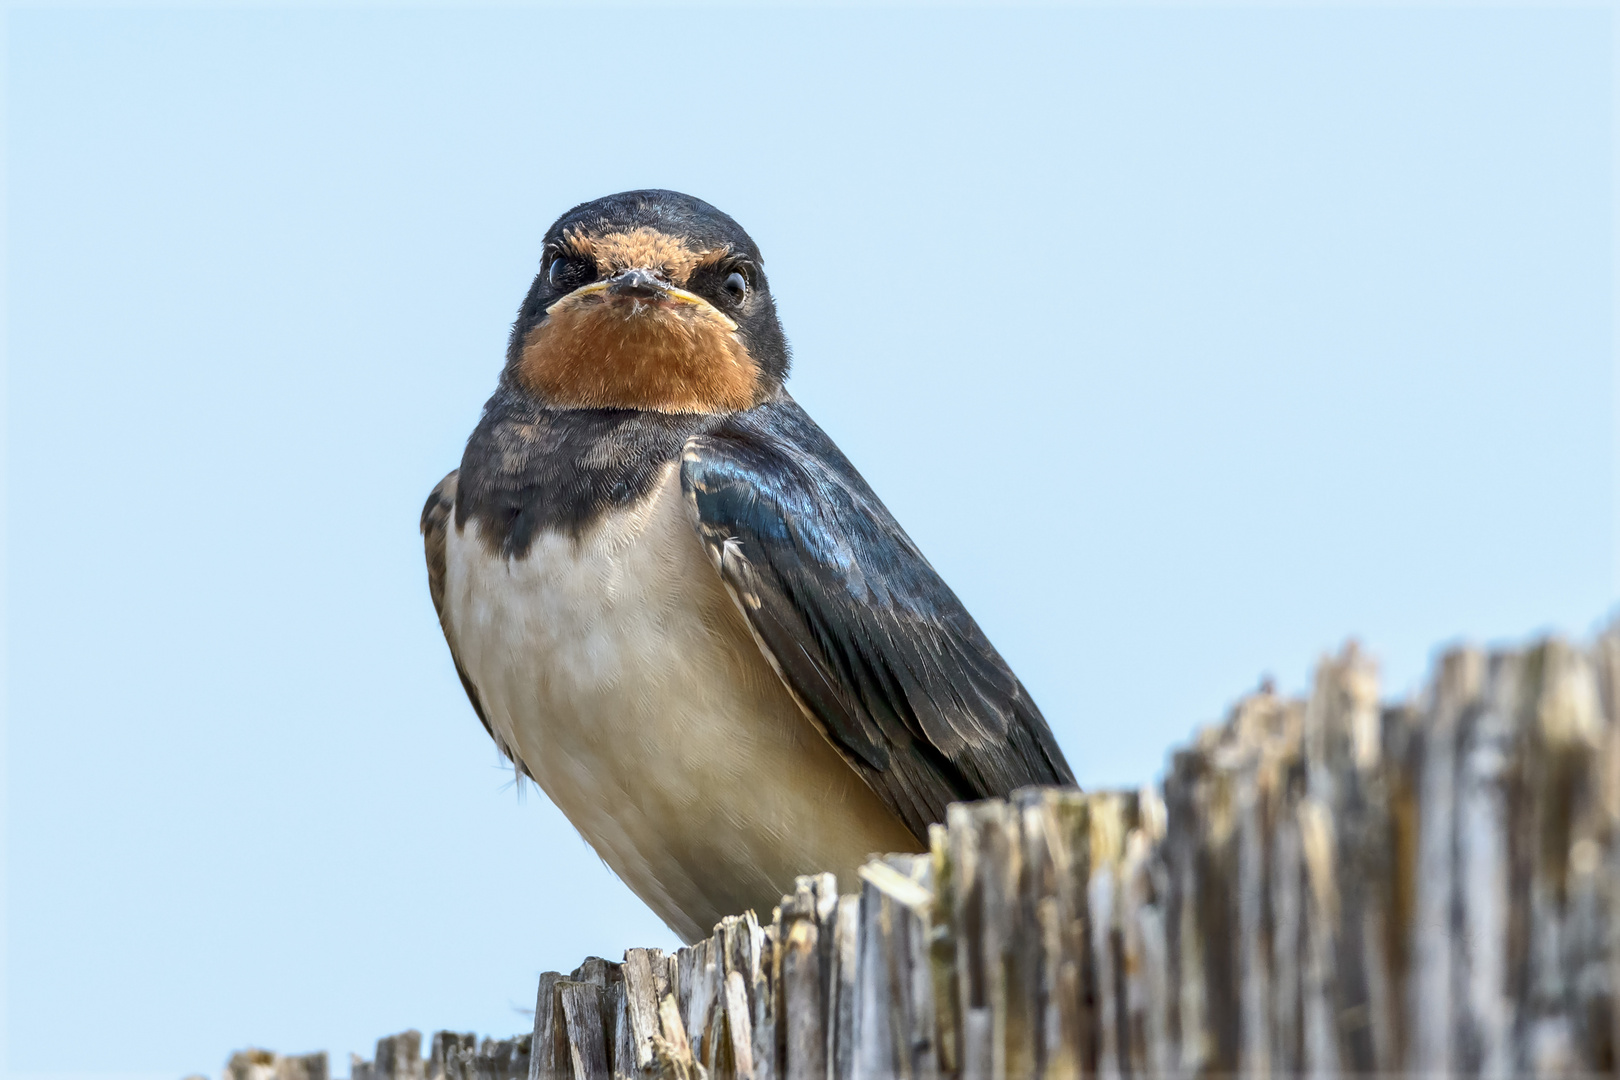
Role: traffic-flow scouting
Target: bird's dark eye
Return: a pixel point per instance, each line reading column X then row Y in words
column 736, row 286
column 564, row 271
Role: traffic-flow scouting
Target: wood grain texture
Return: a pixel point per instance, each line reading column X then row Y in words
column 587, row 1045
column 1324, row 886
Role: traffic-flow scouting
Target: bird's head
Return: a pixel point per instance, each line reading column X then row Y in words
column 649, row 300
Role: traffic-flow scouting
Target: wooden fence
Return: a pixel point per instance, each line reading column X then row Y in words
column 1323, row 887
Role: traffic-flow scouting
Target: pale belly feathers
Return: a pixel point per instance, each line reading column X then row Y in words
column 621, row 673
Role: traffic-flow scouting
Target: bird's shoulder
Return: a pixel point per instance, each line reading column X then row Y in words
column 436, row 514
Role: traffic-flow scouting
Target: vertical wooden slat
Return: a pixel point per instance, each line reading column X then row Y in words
column 1483, row 1011
column 451, row 1054
column 1246, row 760
column 845, row 922
column 804, row 996
column 912, row 963
column 399, row 1057
column 764, row 993
column 672, row 1050
column 739, row 1026
column 1345, row 775
column 1454, row 694
column 876, row 1053
column 895, row 1009
column 942, row 952
column 1108, row 827
column 548, row 1052
column 587, row 1044
column 641, row 991
column 1600, row 859
column 622, row 1059
column 1563, row 830
column 1142, row 929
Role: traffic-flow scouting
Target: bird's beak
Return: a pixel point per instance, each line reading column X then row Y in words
column 645, row 285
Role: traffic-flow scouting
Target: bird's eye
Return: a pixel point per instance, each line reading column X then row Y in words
column 736, row 286
column 563, row 271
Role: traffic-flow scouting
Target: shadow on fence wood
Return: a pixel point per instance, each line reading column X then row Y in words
column 1324, row 887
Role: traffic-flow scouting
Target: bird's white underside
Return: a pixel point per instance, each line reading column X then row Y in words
column 620, row 672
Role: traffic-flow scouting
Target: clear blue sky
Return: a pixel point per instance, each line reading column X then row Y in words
column 1187, row 342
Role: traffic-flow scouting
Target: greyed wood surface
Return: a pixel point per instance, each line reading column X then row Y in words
column 1326, row 886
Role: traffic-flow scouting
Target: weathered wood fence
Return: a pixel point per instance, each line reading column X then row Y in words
column 1324, row 887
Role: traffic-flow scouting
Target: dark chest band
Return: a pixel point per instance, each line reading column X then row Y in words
column 529, row 469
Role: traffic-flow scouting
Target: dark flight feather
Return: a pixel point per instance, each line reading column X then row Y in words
column 871, row 641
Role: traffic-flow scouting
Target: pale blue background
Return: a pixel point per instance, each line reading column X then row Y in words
column 1186, row 343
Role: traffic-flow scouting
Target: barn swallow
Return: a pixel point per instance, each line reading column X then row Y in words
column 677, row 607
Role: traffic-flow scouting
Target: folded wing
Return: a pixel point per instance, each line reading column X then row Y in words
column 879, row 652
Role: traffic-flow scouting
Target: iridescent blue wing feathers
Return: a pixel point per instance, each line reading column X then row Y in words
column 877, row 649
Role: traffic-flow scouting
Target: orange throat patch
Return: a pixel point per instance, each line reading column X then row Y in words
column 603, row 352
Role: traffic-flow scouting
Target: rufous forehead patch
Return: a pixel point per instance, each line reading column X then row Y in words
column 640, row 247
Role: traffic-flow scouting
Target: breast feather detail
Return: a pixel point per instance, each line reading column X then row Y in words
column 623, row 676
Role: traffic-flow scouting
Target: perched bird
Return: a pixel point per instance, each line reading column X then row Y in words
column 677, row 606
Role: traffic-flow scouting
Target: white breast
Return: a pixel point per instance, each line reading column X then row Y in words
column 625, row 679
